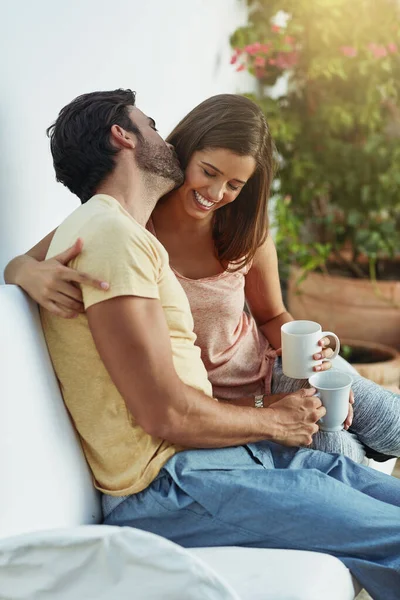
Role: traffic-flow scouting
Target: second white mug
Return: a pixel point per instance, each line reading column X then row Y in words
column 299, row 344
column 333, row 387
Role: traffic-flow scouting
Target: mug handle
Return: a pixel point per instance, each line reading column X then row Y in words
column 337, row 348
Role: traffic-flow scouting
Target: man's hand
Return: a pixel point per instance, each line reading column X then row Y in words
column 295, row 417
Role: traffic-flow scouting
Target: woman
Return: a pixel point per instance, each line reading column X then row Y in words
column 214, row 228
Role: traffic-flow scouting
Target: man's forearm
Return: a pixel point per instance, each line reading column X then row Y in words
column 133, row 341
column 249, row 401
column 198, row 421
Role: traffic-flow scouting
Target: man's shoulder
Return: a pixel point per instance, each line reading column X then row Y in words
column 102, row 215
column 103, row 220
column 108, row 233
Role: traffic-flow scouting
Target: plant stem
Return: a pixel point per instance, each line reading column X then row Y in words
column 352, row 266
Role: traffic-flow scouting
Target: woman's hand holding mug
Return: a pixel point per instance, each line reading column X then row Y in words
column 304, row 349
column 325, row 353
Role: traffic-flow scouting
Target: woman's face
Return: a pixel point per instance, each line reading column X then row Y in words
column 214, row 178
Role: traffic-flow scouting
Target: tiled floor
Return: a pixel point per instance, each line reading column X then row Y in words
column 363, row 595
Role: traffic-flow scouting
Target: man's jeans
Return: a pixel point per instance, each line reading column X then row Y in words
column 266, row 496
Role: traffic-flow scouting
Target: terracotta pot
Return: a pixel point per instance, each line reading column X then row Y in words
column 386, row 369
column 352, row 308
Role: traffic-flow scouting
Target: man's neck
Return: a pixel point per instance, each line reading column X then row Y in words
column 136, row 191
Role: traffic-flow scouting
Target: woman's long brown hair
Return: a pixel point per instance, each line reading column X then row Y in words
column 235, row 123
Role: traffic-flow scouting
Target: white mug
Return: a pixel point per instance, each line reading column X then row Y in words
column 299, row 344
column 333, row 388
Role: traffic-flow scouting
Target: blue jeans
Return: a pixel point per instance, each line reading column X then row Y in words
column 267, row 496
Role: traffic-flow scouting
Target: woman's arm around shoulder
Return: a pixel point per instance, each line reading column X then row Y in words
column 50, row 282
column 17, row 267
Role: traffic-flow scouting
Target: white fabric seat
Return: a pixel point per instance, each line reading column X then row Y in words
column 46, row 485
column 281, row 574
column 104, row 563
column 44, row 481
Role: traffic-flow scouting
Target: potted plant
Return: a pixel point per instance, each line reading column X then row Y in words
column 336, row 125
column 377, row 362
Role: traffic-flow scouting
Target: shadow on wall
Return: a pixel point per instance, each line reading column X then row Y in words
column 7, row 168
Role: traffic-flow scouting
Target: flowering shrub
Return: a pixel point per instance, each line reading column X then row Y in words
column 336, row 126
column 279, row 52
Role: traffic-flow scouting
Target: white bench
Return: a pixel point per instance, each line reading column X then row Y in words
column 48, row 500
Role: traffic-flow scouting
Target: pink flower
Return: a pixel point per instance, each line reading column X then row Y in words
column 265, row 48
column 378, row 51
column 240, row 68
column 392, row 48
column 253, row 48
column 260, row 72
column 259, row 61
column 282, row 61
column 292, row 58
column 349, row 51
column 276, row 29
column 289, row 39
column 381, row 52
column 234, row 58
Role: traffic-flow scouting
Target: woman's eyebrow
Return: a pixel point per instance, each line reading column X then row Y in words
column 220, row 172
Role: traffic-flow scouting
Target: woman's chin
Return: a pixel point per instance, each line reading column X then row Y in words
column 196, row 213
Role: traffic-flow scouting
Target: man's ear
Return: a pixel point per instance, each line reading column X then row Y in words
column 122, row 138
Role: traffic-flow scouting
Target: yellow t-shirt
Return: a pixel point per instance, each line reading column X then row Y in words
column 124, row 459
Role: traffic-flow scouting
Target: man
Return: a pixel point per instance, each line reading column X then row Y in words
column 138, row 392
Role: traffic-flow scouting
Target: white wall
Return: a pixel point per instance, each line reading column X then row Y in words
column 174, row 53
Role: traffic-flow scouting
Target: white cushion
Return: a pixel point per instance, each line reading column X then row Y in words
column 45, row 481
column 104, row 563
column 281, row 574
column 384, row 467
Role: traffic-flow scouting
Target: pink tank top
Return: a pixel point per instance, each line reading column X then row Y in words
column 237, row 356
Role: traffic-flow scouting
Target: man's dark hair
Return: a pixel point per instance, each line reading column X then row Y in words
column 80, row 139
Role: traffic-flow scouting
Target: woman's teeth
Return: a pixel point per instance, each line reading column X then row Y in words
column 203, row 201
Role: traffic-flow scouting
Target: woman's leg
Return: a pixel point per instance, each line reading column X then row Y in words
column 376, row 416
column 339, row 442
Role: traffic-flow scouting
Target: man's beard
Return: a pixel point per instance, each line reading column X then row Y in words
column 159, row 161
